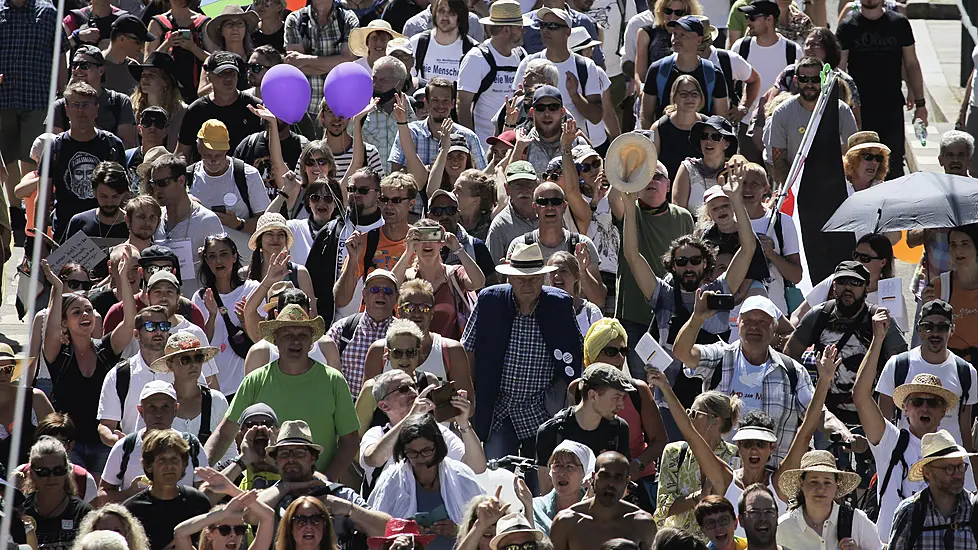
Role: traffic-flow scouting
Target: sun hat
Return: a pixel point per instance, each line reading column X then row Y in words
column 526, row 260
column 936, row 446
column 7, row 354
column 630, row 162
column 580, row 39
column 142, row 171
column 231, row 11
column 292, row 315
column 866, row 139
column 215, row 135
column 924, row 383
column 511, row 524
column 755, row 433
column 180, row 343
column 157, row 387
column 156, row 60
column 399, row 45
column 560, row 13
column 506, row 12
column 719, row 124
column 270, row 221
column 271, row 298
column 293, row 433
column 358, row 36
column 710, row 33
column 397, row 527
column 821, row 462
column 603, row 330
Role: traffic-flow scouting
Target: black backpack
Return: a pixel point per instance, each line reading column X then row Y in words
column 902, row 368
column 572, row 241
column 422, row 50
column 321, row 262
column 899, row 450
column 240, row 182
column 845, row 521
column 493, row 69
column 563, row 418
column 789, row 50
column 129, row 445
column 916, row 519
column 734, row 89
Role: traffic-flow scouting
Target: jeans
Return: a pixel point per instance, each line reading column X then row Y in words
column 91, row 456
column 504, row 441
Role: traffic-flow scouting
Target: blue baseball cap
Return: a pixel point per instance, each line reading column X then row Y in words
column 689, row 23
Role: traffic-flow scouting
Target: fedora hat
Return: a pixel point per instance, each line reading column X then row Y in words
column 156, row 60
column 506, row 12
column 630, row 162
column 866, row 139
column 936, row 446
column 925, row 383
column 143, row 170
column 821, row 462
column 579, row 39
column 527, row 260
column 7, row 354
column 292, row 315
column 710, row 32
column 231, row 11
column 511, row 524
column 271, row 298
column 358, row 36
column 293, row 433
column 397, row 527
column 270, row 221
column 181, row 343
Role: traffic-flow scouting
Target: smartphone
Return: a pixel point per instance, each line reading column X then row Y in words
column 222, row 209
column 442, row 398
column 186, row 34
column 431, row 234
column 720, row 302
column 427, row 519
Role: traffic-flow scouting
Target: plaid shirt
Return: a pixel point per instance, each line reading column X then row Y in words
column 355, row 353
column 787, row 408
column 428, row 145
column 527, row 372
column 26, row 36
column 320, row 40
column 959, row 538
column 380, row 130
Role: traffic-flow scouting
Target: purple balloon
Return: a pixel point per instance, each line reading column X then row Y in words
column 348, row 89
column 285, row 91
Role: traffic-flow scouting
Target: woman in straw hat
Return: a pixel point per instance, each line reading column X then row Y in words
column 231, row 32
column 36, row 404
column 866, row 161
column 816, row 518
column 270, row 260
column 369, row 43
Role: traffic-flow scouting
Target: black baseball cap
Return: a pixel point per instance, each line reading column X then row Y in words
column 156, row 253
column 850, row 268
column 156, row 111
column 221, row 61
column 547, row 91
column 130, row 24
column 689, row 23
column 90, row 51
column 938, row 307
column 762, row 7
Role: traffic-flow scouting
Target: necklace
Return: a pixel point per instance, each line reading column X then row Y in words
column 100, row 224
column 51, row 512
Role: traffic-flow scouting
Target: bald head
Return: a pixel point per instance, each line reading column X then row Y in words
column 609, row 458
column 548, row 189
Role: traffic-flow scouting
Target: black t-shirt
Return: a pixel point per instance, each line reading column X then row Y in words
column 160, row 517
column 254, row 151
column 275, row 40
column 104, row 235
column 875, row 49
column 103, row 24
column 610, row 435
column 102, row 300
column 651, row 86
column 239, row 120
column 57, row 533
column 72, row 165
column 114, row 110
column 729, row 243
column 399, row 11
column 78, row 395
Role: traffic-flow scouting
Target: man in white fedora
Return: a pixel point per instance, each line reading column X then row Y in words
column 942, row 515
column 513, row 529
column 521, row 338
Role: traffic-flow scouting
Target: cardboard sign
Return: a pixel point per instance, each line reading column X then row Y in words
column 79, row 249
column 652, row 354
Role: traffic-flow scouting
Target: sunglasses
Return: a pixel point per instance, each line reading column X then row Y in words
column 310, row 162
column 530, row 545
column 928, row 326
column 416, row 308
column 225, row 530
column 549, row 201
column 677, row 13
column 314, row 520
column 756, row 17
column 257, row 67
column 612, row 351
column 378, row 289
column 864, row 258
column 191, row 359
column 85, row 65
column 359, row 190
column 395, row 200
column 409, row 353
column 316, row 197
column 869, row 157
column 683, row 261
column 406, row 388
column 161, row 326
column 552, row 26
column 79, row 285
column 48, row 472
column 849, row 281
column 584, row 167
column 541, row 107
column 154, row 268
column 443, row 211
column 153, row 121
column 712, row 136
column 553, row 175
column 932, row 402
column 693, row 413
column 802, row 79
column 7, row 369
column 162, row 182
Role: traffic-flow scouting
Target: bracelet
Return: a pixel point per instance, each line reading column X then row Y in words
column 402, row 123
column 283, row 194
column 240, row 226
column 239, row 460
column 920, row 102
column 464, row 430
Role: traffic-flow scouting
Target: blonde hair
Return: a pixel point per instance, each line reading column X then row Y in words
column 400, row 181
column 172, row 100
column 692, row 6
column 135, row 534
column 404, row 327
column 725, row 407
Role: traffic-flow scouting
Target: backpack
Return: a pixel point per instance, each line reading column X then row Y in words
column 902, row 369
column 916, row 518
column 129, row 445
column 240, row 181
column 561, row 420
column 899, row 450
column 123, row 378
column 743, row 50
column 347, row 329
column 572, row 242
column 789, row 366
column 305, row 23
column 322, row 262
column 422, row 50
column 846, row 513
column 665, row 69
column 734, row 89
column 490, row 77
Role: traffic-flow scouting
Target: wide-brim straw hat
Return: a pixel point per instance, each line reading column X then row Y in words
column 270, row 221
column 526, row 260
column 292, row 315
column 936, row 446
column 506, row 12
column 511, row 524
column 710, row 31
column 630, row 162
column 818, row 462
column 231, row 11
column 358, row 36
column 866, row 139
column 271, row 299
column 7, row 354
column 181, row 343
column 293, row 433
column 925, row 383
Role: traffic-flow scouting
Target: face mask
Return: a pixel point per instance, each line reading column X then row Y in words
column 384, row 97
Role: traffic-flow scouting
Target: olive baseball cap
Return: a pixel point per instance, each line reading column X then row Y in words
column 603, row 375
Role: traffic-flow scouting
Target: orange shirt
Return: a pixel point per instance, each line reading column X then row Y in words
column 386, row 256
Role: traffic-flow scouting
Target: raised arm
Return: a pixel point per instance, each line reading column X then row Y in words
column 580, row 209
column 278, row 268
column 474, row 279
column 685, row 347
column 411, row 159
column 407, row 258
column 870, row 415
column 641, row 270
column 441, row 159
column 733, row 187
column 52, row 332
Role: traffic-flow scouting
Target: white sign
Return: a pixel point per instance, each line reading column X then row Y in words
column 79, row 249
column 890, row 292
column 652, row 354
column 184, row 249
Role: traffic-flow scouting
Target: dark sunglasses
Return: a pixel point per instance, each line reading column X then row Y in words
column 928, row 326
column 395, row 200
column 415, row 308
column 850, row 281
column 7, row 369
column 153, row 121
column 79, row 285
column 378, row 289
column 670, row 11
column 257, row 67
column 683, row 261
column 401, row 389
column 443, row 210
column 871, row 157
column 154, row 268
column 191, row 359
column 162, row 182
column 932, row 402
column 396, row 353
column 756, row 17
column 153, row 326
column 547, row 107
column 585, row 167
column 802, row 79
column 314, row 520
column 84, row 65
column 530, row 545
column 310, row 162
column 549, row 201
column 359, row 190
column 316, row 197
column 552, row 26
column 712, row 136
column 48, row 472
column 612, row 351
column 225, row 530
column 552, row 175
column 864, row 258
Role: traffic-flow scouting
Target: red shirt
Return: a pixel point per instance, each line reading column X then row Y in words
column 114, row 315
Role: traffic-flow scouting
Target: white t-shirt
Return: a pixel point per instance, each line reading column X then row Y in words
column 109, row 407
column 946, row 371
column 764, row 226
column 568, row 65
column 899, row 484
column 768, row 61
column 718, row 11
column 597, row 131
column 302, row 240
column 219, row 406
column 589, row 315
column 230, row 365
column 740, row 69
column 439, row 60
column 209, row 368
column 456, row 449
column 134, row 469
column 608, row 19
column 748, row 382
column 201, row 223
column 473, row 69
column 345, row 232
column 218, row 191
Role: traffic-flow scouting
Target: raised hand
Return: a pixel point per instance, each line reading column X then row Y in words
column 881, row 323
column 278, row 267
column 461, row 402
column 513, row 109
column 209, row 302
column 583, row 254
column 490, row 510
column 733, row 182
column 445, row 132
column 571, row 82
column 263, row 113
column 400, row 108
column 568, row 134
column 51, row 276
column 828, row 361
column 371, row 106
column 354, row 243
column 700, row 309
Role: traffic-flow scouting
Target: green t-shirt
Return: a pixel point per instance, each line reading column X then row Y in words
column 655, row 233
column 738, row 19
column 320, row 396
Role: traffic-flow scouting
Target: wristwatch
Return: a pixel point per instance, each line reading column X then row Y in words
column 239, row 460
column 241, row 224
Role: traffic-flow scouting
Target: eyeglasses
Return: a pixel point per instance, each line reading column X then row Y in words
column 928, row 326
column 864, row 258
column 956, row 468
column 48, row 472
column 549, row 201
column 79, row 285
column 191, row 359
column 931, row 402
column 225, row 530
column 415, row 308
column 869, row 157
column 80, row 104
column 443, row 211
column 552, row 26
column 612, row 351
column 154, row 326
column 427, row 452
column 714, row 523
column 162, row 182
column 315, row 520
column 300, row 452
column 310, row 161
column 556, row 467
column 682, row 261
column 584, row 167
column 406, row 388
column 541, row 107
column 360, row 190
column 316, row 197
column 529, row 545
column 802, row 79
column 687, row 94
column 762, row 512
column 84, row 65
column 395, row 200
column 677, row 13
column 712, row 136
column 153, row 121
column 850, row 281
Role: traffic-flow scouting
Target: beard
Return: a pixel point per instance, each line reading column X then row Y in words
column 809, row 95
column 851, row 309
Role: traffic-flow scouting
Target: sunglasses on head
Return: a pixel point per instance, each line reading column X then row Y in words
column 869, row 157
column 314, row 520
column 802, row 79
column 153, row 121
column 378, row 289
column 316, row 197
column 612, row 351
column 48, row 472
column 864, row 258
column 549, row 201
column 395, row 200
column 928, row 326
column 257, row 67
column 443, row 211
column 712, row 136
column 153, row 326
column 225, row 530
column 683, row 261
column 359, row 190
column 79, row 285
column 310, row 161
column 552, row 26
column 541, row 107
column 401, row 389
column 415, row 308
column 585, row 167
column 932, row 402
column 84, row 65
column 191, row 359
column 678, row 13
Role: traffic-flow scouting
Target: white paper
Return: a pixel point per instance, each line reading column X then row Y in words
column 890, row 292
column 652, row 354
column 184, row 249
column 79, row 249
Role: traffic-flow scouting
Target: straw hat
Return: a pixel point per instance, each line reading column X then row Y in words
column 293, row 433
column 397, row 527
column 511, row 524
column 866, row 139
column 292, row 315
column 526, row 260
column 506, row 12
column 7, row 354
column 925, row 383
column 822, row 462
column 935, row 446
column 181, row 343
column 231, row 11
column 630, row 162
column 270, row 221
column 271, row 298
column 358, row 36
column 142, row 171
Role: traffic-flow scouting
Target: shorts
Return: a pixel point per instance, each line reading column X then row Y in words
column 18, row 130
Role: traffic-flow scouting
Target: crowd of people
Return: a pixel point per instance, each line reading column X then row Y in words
column 541, row 292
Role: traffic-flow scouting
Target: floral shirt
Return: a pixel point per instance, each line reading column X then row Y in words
column 798, row 27
column 677, row 481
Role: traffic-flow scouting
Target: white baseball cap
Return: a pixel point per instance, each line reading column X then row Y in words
column 157, row 387
column 762, row 303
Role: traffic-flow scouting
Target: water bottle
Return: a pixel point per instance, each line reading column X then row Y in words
column 920, row 130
